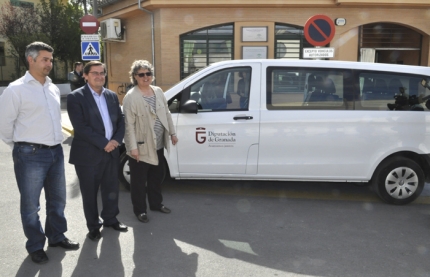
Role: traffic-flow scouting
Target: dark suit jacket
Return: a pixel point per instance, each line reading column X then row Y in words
column 89, row 133
column 76, row 80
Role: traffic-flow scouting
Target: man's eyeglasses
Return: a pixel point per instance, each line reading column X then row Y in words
column 95, row 73
column 141, row 75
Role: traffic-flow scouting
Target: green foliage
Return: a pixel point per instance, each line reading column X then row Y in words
column 50, row 21
column 21, row 26
column 61, row 23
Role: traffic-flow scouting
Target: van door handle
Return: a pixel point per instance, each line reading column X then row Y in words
column 246, row 117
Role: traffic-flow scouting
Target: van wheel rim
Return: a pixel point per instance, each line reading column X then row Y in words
column 401, row 182
column 126, row 172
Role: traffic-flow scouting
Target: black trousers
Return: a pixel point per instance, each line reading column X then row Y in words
column 105, row 176
column 145, row 179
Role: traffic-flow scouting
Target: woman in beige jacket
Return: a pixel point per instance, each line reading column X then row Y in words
column 148, row 127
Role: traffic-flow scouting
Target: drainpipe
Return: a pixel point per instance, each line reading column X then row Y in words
column 152, row 32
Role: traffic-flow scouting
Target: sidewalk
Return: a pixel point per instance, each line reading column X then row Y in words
column 66, row 124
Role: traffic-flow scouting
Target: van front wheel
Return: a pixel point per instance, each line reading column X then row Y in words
column 398, row 180
column 124, row 171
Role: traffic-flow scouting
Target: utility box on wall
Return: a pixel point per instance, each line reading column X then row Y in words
column 111, row 29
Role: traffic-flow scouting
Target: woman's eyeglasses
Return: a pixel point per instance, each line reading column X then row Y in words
column 149, row 74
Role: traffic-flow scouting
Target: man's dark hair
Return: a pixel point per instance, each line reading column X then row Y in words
column 77, row 63
column 88, row 66
column 32, row 50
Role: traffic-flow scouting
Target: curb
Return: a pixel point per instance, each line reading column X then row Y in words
column 69, row 130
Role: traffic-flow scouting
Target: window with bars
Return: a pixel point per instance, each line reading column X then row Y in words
column 205, row 46
column 386, row 35
column 289, row 42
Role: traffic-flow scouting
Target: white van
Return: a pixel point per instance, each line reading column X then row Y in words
column 304, row 120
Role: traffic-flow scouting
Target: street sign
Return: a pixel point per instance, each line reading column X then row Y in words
column 90, row 47
column 319, row 30
column 90, row 50
column 316, row 53
column 93, row 37
column 89, row 24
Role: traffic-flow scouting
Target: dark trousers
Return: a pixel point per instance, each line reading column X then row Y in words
column 145, row 179
column 105, row 176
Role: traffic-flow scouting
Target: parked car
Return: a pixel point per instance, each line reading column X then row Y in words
column 336, row 122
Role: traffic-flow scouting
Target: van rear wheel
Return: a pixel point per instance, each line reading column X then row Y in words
column 398, row 180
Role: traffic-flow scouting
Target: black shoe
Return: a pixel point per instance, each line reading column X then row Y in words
column 118, row 226
column 39, row 257
column 94, row 235
column 165, row 210
column 66, row 244
column 143, row 217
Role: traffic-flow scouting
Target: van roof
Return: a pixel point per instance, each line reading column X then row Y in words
column 424, row 70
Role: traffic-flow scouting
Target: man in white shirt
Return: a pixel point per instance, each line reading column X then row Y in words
column 31, row 125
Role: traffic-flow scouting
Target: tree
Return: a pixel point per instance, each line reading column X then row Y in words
column 51, row 21
column 82, row 3
column 61, row 23
column 21, row 26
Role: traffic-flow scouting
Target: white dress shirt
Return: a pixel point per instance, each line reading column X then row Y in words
column 104, row 112
column 31, row 112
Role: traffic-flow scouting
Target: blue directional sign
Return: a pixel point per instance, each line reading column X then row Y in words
column 90, row 50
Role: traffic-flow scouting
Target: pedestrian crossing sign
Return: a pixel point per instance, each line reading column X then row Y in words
column 90, row 50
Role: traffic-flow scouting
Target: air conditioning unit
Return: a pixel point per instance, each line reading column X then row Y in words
column 111, row 29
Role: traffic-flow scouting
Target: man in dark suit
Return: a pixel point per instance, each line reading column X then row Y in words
column 98, row 124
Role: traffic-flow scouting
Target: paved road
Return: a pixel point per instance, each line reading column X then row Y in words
column 232, row 229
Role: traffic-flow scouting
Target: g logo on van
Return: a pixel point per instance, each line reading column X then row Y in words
column 200, row 135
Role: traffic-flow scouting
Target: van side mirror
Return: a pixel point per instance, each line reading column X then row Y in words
column 190, row 106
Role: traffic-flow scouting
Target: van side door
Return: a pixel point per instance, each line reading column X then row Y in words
column 306, row 124
column 222, row 137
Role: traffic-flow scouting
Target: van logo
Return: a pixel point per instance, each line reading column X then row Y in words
column 200, row 135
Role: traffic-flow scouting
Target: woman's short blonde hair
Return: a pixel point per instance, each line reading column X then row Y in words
column 136, row 66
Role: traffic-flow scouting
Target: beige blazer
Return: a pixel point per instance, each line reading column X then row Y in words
column 139, row 124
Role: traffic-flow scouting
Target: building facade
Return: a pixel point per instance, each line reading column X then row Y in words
column 182, row 36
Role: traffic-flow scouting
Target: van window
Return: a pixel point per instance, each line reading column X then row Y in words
column 389, row 91
column 306, row 88
column 175, row 103
column 223, row 90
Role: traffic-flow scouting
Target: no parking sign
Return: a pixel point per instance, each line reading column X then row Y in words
column 319, row 30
